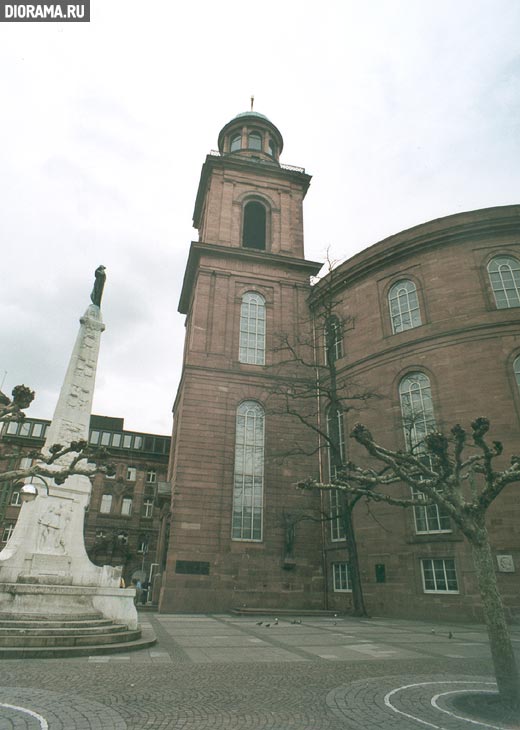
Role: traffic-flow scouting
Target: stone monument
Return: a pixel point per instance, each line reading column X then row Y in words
column 44, row 568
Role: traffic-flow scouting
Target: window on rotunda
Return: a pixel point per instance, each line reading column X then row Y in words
column 236, row 143
column 504, row 274
column 254, row 141
column 254, row 229
column 272, row 148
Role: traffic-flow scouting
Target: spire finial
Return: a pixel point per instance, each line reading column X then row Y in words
column 252, row 102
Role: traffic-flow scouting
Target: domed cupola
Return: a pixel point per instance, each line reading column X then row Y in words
column 251, row 134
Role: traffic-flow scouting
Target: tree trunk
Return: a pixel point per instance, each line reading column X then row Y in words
column 358, row 602
column 506, row 669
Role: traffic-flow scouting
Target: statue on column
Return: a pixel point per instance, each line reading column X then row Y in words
column 99, row 283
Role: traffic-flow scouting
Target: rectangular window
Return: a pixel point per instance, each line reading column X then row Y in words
column 37, row 430
column 12, row 428
column 138, row 442
column 131, row 474
column 126, row 507
column 16, row 498
column 106, row 504
column 25, row 462
column 142, row 545
column 105, row 438
column 431, row 518
column 116, row 440
column 151, row 476
column 8, row 531
column 341, row 577
column 148, row 508
column 94, row 437
column 439, row 576
column 127, row 441
column 25, row 429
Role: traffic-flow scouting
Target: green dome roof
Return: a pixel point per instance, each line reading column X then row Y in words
column 252, row 114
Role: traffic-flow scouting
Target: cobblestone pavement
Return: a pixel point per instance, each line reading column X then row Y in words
column 243, row 673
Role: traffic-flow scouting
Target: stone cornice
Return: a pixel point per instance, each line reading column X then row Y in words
column 197, row 249
column 472, row 225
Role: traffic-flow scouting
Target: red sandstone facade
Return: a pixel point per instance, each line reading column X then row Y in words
column 416, row 311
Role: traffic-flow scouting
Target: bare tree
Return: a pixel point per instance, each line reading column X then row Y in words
column 310, row 388
column 61, row 461
column 463, row 486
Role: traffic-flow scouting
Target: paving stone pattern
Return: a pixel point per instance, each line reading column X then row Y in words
column 234, row 672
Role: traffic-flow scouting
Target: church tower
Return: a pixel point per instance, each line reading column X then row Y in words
column 238, row 534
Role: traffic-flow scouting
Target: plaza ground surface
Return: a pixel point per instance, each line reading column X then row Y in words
column 223, row 671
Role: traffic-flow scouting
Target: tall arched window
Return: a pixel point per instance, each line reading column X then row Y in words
column 336, row 451
column 404, row 306
column 516, row 369
column 254, row 228
column 418, row 420
column 504, row 274
column 333, row 339
column 415, row 396
column 252, row 329
column 248, row 490
column 236, row 143
column 254, row 141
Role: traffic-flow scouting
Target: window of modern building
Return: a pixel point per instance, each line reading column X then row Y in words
column 254, row 226
column 148, row 508
column 126, row 506
column 16, row 498
column 106, row 504
column 333, row 337
column 12, row 428
column 504, row 274
column 439, row 576
column 516, row 369
column 248, row 490
column 37, row 430
column 341, row 578
column 25, row 428
column 127, row 441
column 254, row 141
column 151, row 476
column 116, row 440
column 138, row 442
column 252, row 329
column 94, row 437
column 404, row 306
column 131, row 474
column 236, row 143
column 336, row 454
column 105, row 438
column 8, row 531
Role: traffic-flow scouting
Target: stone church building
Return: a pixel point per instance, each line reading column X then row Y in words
column 427, row 319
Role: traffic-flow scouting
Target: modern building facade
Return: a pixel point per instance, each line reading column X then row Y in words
column 127, row 520
column 428, row 320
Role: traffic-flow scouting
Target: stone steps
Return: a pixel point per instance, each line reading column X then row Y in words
column 46, row 636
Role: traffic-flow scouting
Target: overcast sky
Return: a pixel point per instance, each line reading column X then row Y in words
column 402, row 110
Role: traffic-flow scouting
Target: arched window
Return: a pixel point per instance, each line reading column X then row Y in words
column 404, row 306
column 415, row 396
column 504, row 274
column 254, row 230
column 336, row 451
column 236, row 143
column 418, row 420
column 516, row 369
column 333, row 339
column 254, row 141
column 252, row 329
column 248, row 490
